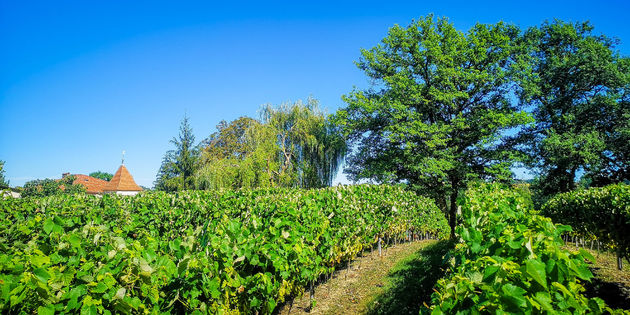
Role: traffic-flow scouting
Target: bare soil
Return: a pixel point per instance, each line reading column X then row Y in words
column 402, row 280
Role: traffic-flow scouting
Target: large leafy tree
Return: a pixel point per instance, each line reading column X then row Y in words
column 231, row 140
column 179, row 165
column 242, row 153
column 437, row 111
column 580, row 99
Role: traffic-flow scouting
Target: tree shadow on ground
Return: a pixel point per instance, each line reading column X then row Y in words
column 613, row 293
column 412, row 281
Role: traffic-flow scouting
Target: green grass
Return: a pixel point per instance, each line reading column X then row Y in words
column 410, row 283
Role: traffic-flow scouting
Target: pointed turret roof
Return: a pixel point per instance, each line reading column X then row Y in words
column 122, row 181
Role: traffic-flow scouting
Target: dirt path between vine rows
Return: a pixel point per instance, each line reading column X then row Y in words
column 377, row 285
column 609, row 283
column 403, row 279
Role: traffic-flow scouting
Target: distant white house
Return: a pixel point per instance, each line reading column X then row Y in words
column 9, row 193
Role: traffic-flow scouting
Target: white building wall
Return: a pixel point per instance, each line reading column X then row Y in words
column 9, row 193
column 127, row 193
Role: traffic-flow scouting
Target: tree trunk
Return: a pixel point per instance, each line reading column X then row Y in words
column 312, row 293
column 572, row 179
column 441, row 203
column 452, row 217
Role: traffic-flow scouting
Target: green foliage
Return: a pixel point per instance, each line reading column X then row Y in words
column 294, row 145
column 437, row 112
column 206, row 252
column 579, row 89
column 510, row 260
column 179, row 165
column 241, row 154
column 602, row 213
column 50, row 187
column 102, row 175
column 4, row 184
column 310, row 148
column 231, row 140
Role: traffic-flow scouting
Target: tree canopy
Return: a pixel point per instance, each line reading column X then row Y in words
column 292, row 145
column 179, row 165
column 437, row 111
column 231, row 140
column 310, row 147
column 49, row 187
column 239, row 155
column 102, row 175
column 579, row 92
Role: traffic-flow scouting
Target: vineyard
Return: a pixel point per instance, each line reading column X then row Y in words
column 490, row 151
column 597, row 214
column 209, row 252
column 510, row 260
column 249, row 251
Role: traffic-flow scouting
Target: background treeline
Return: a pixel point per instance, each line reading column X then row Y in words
column 445, row 108
column 292, row 145
column 47, row 186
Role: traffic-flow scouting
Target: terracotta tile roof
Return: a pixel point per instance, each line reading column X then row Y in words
column 122, row 181
column 92, row 185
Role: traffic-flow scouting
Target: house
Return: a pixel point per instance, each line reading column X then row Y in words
column 9, row 193
column 93, row 186
column 122, row 183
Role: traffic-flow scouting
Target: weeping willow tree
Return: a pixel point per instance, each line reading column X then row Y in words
column 292, row 145
column 310, row 147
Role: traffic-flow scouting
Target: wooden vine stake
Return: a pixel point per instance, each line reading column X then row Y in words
column 372, row 251
column 598, row 245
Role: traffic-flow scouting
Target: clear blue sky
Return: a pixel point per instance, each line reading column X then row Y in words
column 80, row 82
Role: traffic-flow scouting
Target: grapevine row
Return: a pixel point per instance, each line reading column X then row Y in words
column 601, row 213
column 194, row 252
column 510, row 259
